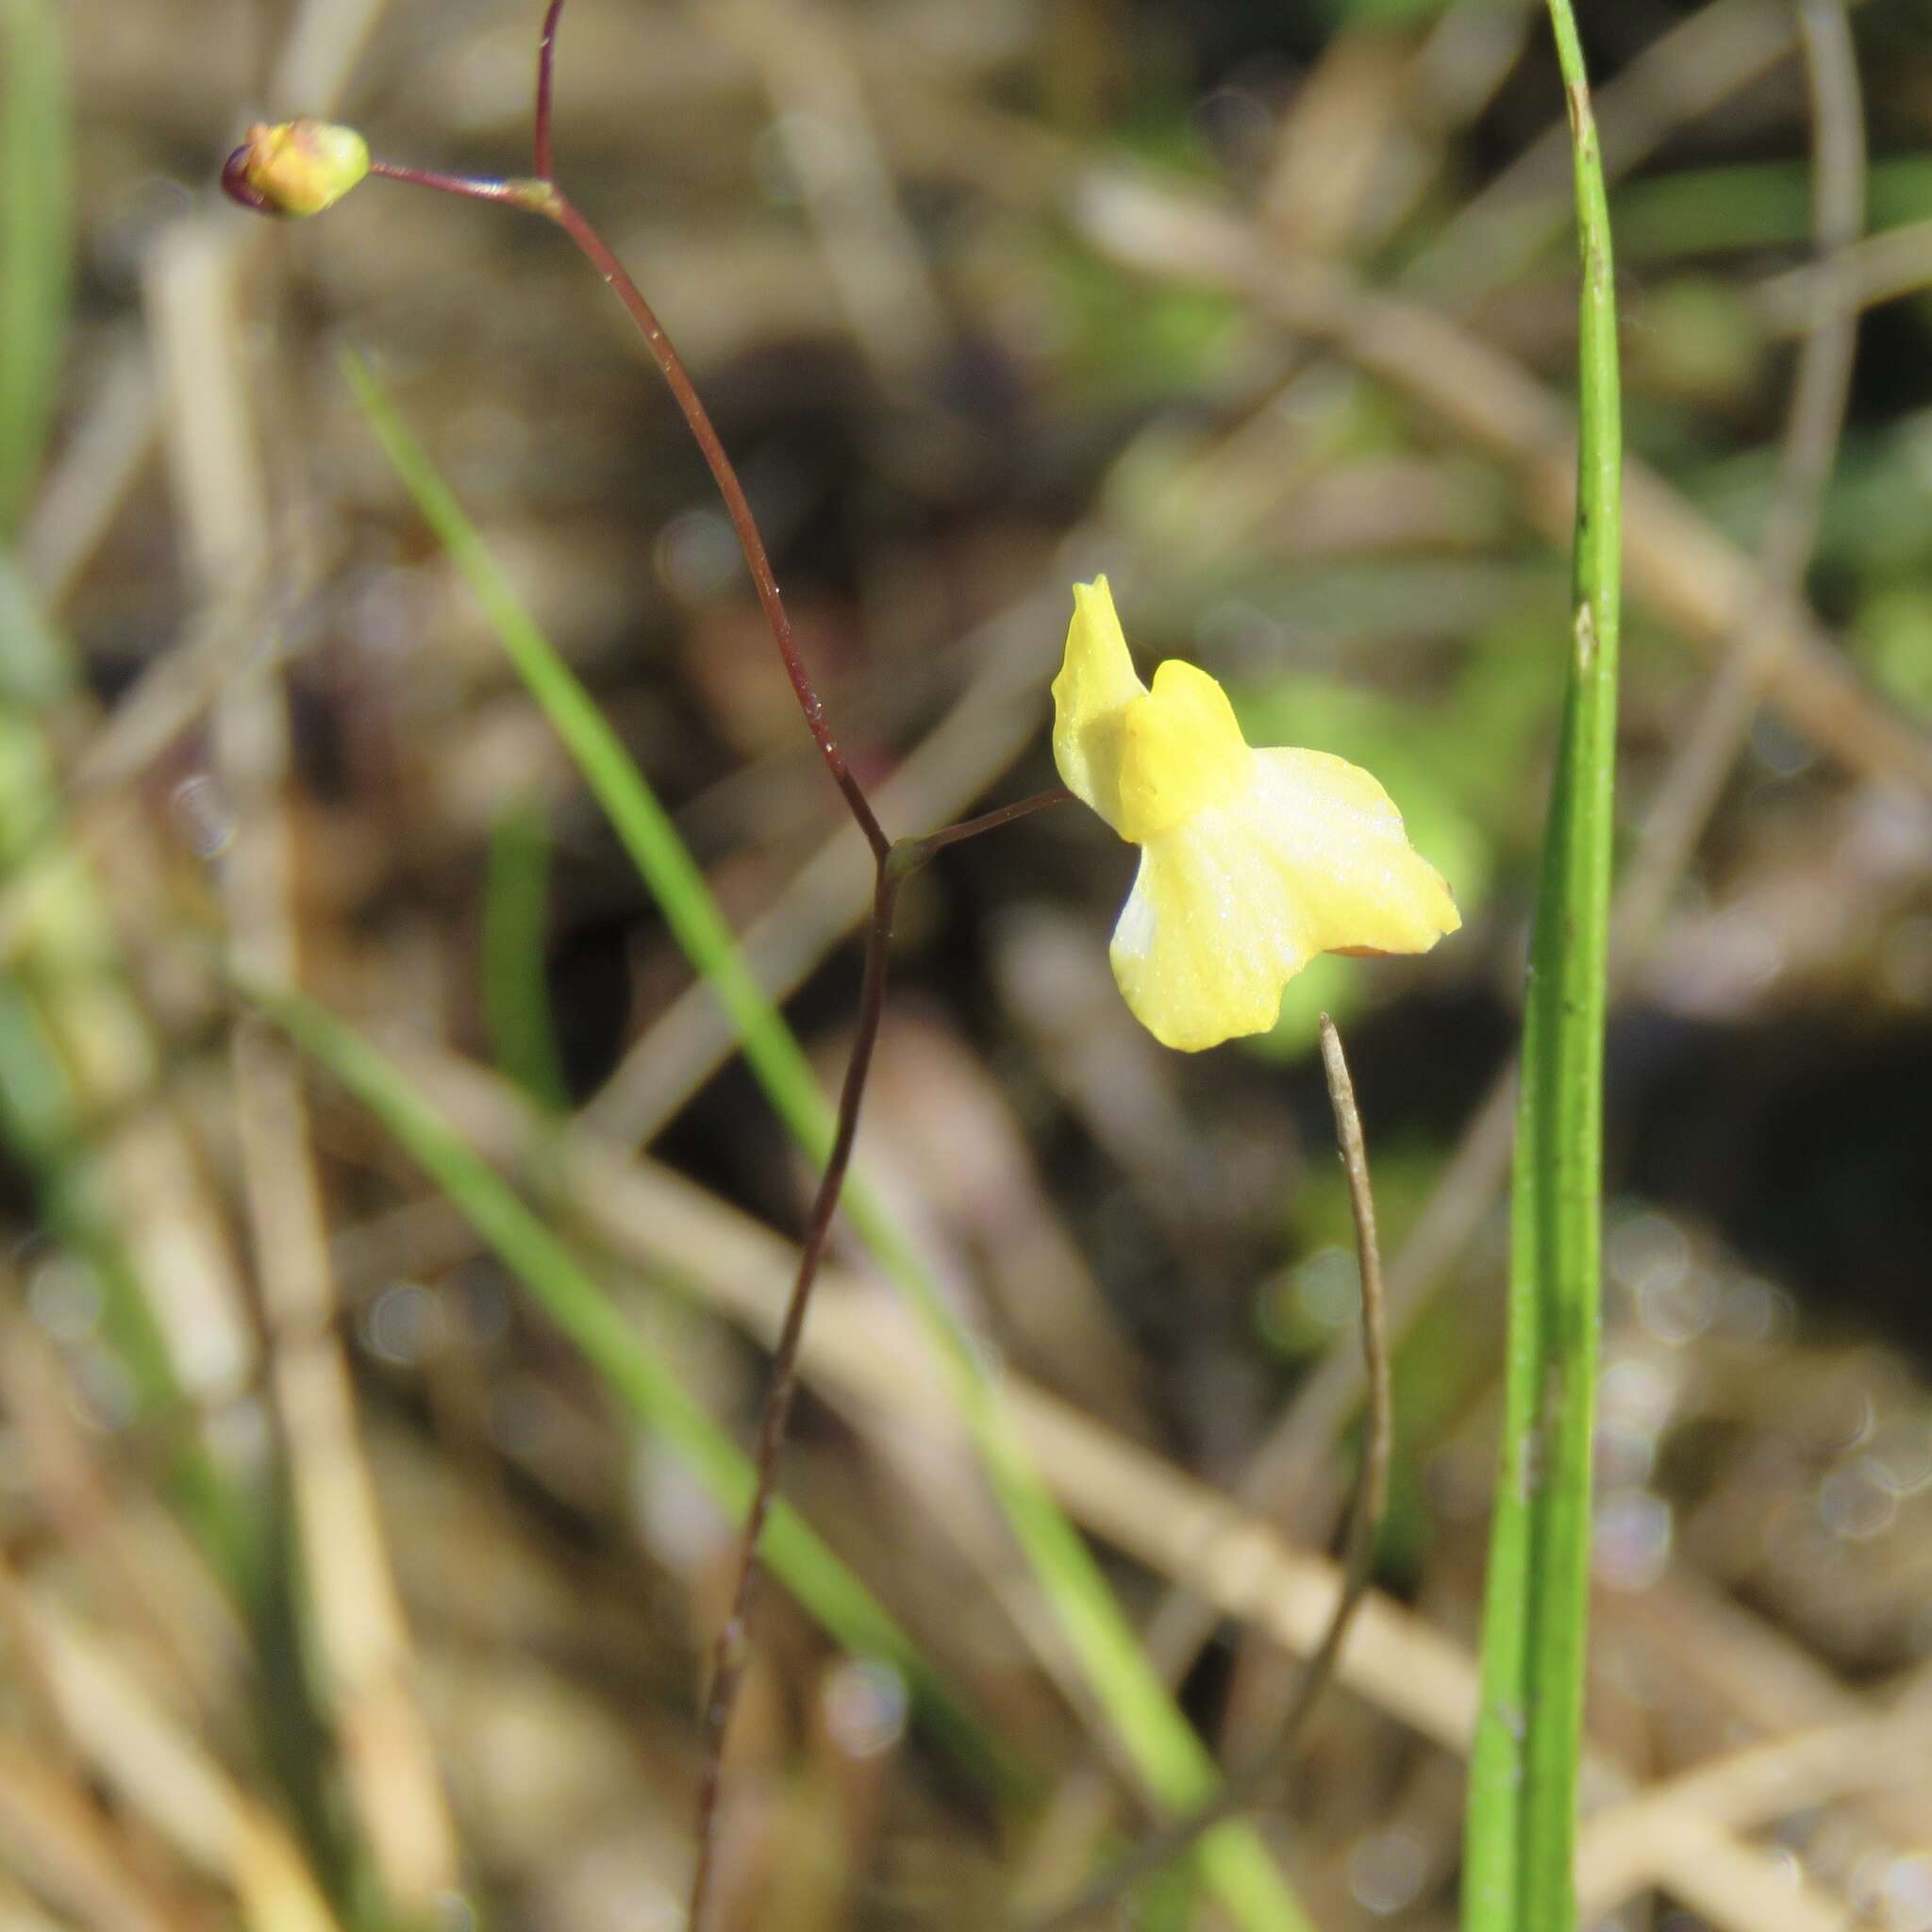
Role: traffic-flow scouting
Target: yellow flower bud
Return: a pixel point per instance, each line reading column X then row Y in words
column 295, row 167
column 1251, row 862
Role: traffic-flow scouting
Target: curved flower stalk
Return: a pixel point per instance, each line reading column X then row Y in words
column 1252, row 860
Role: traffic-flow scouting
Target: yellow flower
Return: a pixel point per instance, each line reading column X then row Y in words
column 1251, row 862
column 295, row 167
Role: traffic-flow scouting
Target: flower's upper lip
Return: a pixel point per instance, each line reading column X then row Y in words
column 1091, row 696
column 1181, row 751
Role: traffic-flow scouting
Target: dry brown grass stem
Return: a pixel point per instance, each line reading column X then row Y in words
column 103, row 455
column 1685, row 74
column 92, row 473
column 222, row 493
column 94, row 1497
column 1624, row 1848
column 55, row 1838
column 117, row 432
column 1879, row 268
column 1708, row 749
column 874, row 258
column 139, row 1752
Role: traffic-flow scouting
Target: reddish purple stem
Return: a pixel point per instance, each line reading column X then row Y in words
column 546, row 69
column 563, row 212
column 734, row 1641
column 516, row 193
column 546, row 198
column 893, row 865
column 560, row 209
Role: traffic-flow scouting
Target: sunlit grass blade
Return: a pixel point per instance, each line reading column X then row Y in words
column 1163, row 1746
column 35, row 239
column 516, row 1001
column 641, row 822
column 1521, row 1836
column 634, row 1373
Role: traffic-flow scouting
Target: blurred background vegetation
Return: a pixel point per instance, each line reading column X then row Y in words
column 336, row 1591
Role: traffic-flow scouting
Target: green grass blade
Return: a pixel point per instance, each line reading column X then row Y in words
column 516, row 999
column 641, row 823
column 1162, row 1746
column 607, row 1340
column 36, row 244
column 1521, row 1837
